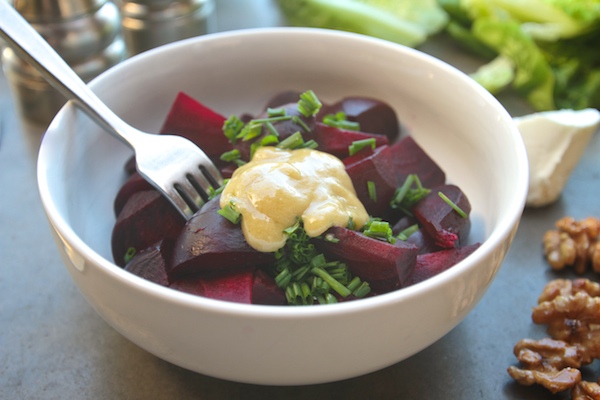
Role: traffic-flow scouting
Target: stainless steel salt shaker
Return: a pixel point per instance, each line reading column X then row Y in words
column 86, row 33
column 150, row 23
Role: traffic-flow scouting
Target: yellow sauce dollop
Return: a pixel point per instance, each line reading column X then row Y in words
column 279, row 186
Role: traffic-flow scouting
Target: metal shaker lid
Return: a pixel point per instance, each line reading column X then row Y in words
column 45, row 11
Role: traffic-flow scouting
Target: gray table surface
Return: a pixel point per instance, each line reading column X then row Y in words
column 54, row 346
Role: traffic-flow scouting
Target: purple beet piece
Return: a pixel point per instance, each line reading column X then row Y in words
column 336, row 141
column 374, row 116
column 440, row 220
column 235, row 286
column 265, row 290
column 248, row 286
column 150, row 264
column 209, row 243
column 146, row 218
column 135, row 183
column 431, row 264
column 200, row 124
column 410, row 158
column 385, row 266
column 373, row 166
column 283, row 98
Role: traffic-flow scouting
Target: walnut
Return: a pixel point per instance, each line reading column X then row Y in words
column 585, row 390
column 572, row 315
column 551, row 363
column 574, row 243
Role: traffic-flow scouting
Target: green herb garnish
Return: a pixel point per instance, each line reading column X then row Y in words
column 229, row 212
column 358, row 145
column 232, row 128
column 409, row 194
column 338, row 120
column 372, row 190
column 306, row 276
column 405, row 234
column 378, row 229
column 309, row 104
column 453, row 205
column 129, row 254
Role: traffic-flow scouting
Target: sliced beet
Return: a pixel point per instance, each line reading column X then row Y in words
column 146, row 219
column 150, row 264
column 282, row 98
column 265, row 290
column 373, row 166
column 410, row 158
column 235, row 286
column 440, row 220
column 383, row 265
column 200, row 124
column 374, row 116
column 135, row 183
column 209, row 243
column 431, row 264
column 336, row 141
column 248, row 286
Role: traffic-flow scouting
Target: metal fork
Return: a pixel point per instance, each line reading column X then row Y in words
column 172, row 164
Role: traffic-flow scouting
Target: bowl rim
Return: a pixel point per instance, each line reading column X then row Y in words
column 501, row 232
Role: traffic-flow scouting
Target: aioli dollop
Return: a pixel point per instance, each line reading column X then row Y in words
column 279, row 186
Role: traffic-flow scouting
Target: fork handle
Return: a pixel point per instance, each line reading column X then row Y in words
column 32, row 47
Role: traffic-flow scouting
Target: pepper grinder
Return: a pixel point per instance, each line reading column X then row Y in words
column 86, row 33
column 150, row 23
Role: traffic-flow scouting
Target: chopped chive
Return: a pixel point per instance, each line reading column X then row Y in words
column 372, row 190
column 250, row 131
column 298, row 121
column 230, row 214
column 311, row 144
column 405, row 234
column 379, row 229
column 309, row 104
column 358, row 145
column 293, row 141
column 453, row 205
column 406, row 195
column 212, row 193
column 231, row 155
column 272, row 119
column 338, row 120
column 363, row 290
column 333, row 283
column 351, row 224
column 276, row 112
column 232, row 128
column 271, row 128
column 269, row 140
column 129, row 254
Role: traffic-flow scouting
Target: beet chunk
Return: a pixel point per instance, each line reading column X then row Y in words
column 135, row 183
column 209, row 243
column 440, row 220
column 375, row 166
column 410, row 158
column 431, row 264
column 265, row 290
column 198, row 123
column 234, row 286
column 248, row 286
column 385, row 266
column 150, row 264
column 373, row 116
column 336, row 141
column 147, row 218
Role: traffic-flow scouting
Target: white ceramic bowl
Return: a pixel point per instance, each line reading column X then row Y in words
column 459, row 124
